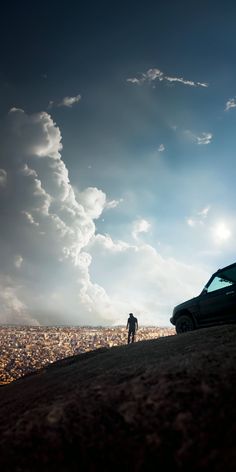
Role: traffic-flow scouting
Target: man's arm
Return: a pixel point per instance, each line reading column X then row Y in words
column 137, row 324
column 127, row 324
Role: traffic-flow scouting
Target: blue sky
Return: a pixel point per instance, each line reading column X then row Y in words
column 117, row 169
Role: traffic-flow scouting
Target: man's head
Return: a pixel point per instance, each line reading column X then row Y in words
column 131, row 315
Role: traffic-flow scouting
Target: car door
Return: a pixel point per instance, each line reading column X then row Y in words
column 217, row 304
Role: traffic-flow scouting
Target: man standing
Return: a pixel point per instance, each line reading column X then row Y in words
column 132, row 325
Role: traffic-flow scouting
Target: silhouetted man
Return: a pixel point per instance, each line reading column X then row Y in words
column 132, row 325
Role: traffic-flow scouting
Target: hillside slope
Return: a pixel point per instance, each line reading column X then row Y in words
column 165, row 402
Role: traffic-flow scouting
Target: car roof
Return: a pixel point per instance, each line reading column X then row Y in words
column 226, row 267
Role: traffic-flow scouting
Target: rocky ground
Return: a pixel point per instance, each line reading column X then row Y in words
column 146, row 406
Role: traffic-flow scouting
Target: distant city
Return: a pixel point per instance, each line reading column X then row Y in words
column 25, row 349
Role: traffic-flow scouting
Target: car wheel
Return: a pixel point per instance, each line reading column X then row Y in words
column 184, row 323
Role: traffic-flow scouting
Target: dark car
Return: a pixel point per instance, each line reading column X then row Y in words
column 215, row 305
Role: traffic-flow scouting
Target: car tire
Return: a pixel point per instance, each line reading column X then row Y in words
column 184, row 323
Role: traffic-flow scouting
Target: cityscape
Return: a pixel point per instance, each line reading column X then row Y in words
column 24, row 349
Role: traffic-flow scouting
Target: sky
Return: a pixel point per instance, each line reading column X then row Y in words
column 117, row 158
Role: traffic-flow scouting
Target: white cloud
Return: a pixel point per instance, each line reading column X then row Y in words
column 140, row 226
column 52, row 225
column 142, row 281
column 161, row 148
column 155, row 74
column 134, row 80
column 231, row 103
column 93, row 201
column 204, row 138
column 191, row 83
column 18, row 261
column 191, row 222
column 199, row 218
column 12, row 309
column 67, row 102
column 34, row 135
column 29, row 218
column 204, row 212
column 113, row 203
column 105, row 241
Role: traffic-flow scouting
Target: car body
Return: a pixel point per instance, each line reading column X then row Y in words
column 216, row 304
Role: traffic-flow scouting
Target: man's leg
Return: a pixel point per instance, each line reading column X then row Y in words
column 133, row 333
column 129, row 333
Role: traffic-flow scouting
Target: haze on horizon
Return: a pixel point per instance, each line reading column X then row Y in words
column 117, row 158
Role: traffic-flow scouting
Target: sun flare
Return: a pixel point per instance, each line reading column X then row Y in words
column 221, row 232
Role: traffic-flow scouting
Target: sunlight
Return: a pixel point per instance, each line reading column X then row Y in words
column 221, row 233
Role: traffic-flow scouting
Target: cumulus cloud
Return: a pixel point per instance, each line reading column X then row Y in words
column 154, row 74
column 67, row 102
column 93, row 201
column 12, row 309
column 46, row 226
column 143, row 281
column 55, row 268
column 231, row 103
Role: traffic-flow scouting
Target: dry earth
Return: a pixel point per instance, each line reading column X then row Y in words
column 146, row 406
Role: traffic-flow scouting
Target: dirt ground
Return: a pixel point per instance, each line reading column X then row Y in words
column 158, row 403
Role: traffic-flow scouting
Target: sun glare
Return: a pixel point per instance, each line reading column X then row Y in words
column 221, row 233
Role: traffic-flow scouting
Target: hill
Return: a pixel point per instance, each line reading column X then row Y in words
column 164, row 402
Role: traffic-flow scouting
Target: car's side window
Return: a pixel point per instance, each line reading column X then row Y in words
column 218, row 283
